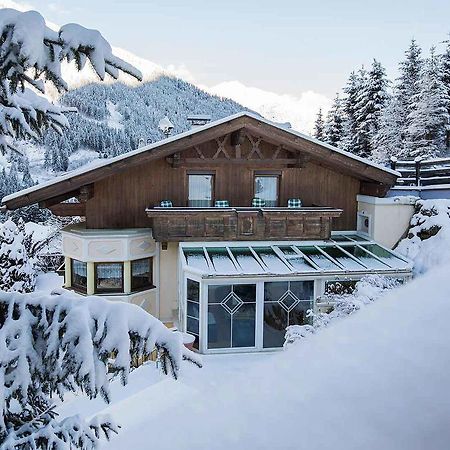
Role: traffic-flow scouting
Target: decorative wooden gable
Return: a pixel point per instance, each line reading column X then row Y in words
column 239, row 148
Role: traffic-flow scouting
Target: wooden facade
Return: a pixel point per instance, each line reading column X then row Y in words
column 118, row 194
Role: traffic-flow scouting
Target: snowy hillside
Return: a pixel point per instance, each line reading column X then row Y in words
column 373, row 380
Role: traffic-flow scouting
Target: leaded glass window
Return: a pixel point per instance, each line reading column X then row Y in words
column 285, row 303
column 193, row 309
column 231, row 315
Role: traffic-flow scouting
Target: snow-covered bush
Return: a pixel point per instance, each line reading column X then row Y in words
column 17, row 268
column 52, row 344
column 31, row 54
column 428, row 239
column 367, row 290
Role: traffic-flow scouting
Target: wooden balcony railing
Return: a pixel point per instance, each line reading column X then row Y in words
column 241, row 224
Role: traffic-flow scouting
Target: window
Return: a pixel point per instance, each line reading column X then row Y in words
column 108, row 277
column 141, row 274
column 285, row 303
column 201, row 188
column 79, row 275
column 231, row 315
column 266, row 188
column 193, row 309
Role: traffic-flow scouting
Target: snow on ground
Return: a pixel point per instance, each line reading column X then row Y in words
column 428, row 240
column 115, row 118
column 374, row 380
column 47, row 282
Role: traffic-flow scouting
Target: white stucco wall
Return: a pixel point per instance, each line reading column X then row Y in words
column 388, row 218
column 168, row 281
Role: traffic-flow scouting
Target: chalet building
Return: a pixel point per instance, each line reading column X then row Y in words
column 232, row 230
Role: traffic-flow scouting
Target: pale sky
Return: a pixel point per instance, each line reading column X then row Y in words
column 287, row 47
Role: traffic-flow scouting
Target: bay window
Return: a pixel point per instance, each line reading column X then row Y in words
column 79, row 275
column 108, row 277
column 141, row 274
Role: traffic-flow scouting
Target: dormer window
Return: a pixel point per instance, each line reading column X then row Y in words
column 266, row 188
column 201, row 189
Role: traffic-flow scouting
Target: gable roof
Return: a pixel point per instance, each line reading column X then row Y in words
column 326, row 154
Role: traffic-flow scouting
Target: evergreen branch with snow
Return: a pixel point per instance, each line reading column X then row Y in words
column 53, row 344
column 30, row 55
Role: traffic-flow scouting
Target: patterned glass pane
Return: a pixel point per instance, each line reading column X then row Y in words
column 217, row 293
column 275, row 323
column 219, row 327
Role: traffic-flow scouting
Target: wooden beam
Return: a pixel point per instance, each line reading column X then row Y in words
column 282, row 162
column 373, row 189
column 58, row 199
column 68, row 209
column 86, row 193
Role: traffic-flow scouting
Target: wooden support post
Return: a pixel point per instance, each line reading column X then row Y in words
column 417, row 163
column 393, row 163
column 67, row 272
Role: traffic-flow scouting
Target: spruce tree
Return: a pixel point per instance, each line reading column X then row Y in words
column 372, row 99
column 445, row 74
column 334, row 126
column 319, row 127
column 428, row 121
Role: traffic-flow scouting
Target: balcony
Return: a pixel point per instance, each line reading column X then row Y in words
column 241, row 224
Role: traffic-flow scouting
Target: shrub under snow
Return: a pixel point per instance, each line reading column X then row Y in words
column 367, row 290
column 51, row 344
column 428, row 239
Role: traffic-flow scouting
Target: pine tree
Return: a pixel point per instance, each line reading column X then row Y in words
column 31, row 53
column 334, row 126
column 407, row 90
column 17, row 271
column 445, row 74
column 319, row 127
column 372, row 99
column 428, row 122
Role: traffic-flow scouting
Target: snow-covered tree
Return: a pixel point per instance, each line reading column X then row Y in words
column 17, row 271
column 334, row 127
column 31, row 54
column 445, row 74
column 319, row 127
column 370, row 102
column 428, row 121
column 53, row 344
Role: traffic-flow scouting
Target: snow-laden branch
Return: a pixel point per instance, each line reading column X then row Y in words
column 51, row 344
column 30, row 54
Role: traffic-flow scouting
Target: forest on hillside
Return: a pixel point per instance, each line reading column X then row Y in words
column 407, row 117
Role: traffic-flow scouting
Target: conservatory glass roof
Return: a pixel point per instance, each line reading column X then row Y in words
column 344, row 253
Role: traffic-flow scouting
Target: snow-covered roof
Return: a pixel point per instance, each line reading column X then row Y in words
column 96, row 165
column 344, row 254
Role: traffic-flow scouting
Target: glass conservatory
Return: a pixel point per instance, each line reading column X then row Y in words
column 241, row 296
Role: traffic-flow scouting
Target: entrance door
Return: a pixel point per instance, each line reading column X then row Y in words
column 231, row 316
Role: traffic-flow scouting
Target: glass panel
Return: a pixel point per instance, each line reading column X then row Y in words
column 246, row 260
column 79, row 274
column 217, row 293
column 193, row 290
column 221, row 260
column 271, row 260
column 342, row 258
column 385, row 255
column 109, row 277
column 200, row 190
column 285, row 303
column 321, row 260
column 298, row 314
column 246, row 292
column 340, row 238
column 196, row 258
column 193, row 309
column 275, row 323
column 244, row 323
column 303, row 290
column 273, row 291
column 297, row 261
column 141, row 274
column 192, row 325
column 266, row 188
column 365, row 258
column 219, row 327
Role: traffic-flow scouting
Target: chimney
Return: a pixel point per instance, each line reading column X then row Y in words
column 197, row 120
column 165, row 126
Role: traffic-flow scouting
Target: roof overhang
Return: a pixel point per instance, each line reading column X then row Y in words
column 69, row 184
